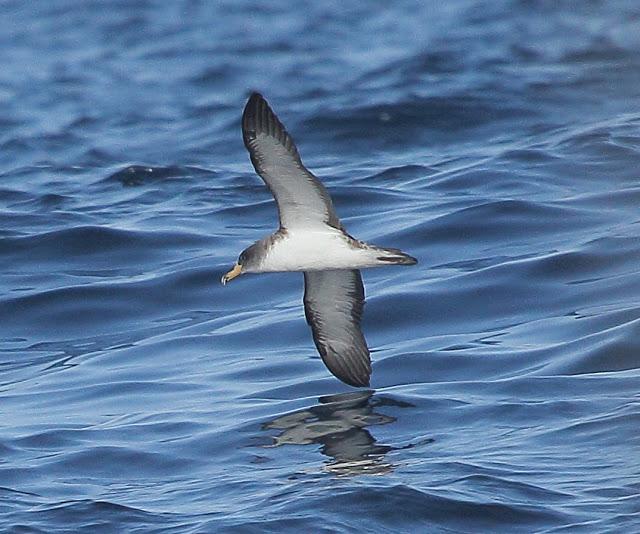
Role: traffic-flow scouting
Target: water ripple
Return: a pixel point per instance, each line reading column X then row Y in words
column 497, row 142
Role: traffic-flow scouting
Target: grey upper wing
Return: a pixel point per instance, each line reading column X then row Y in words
column 302, row 200
column 333, row 304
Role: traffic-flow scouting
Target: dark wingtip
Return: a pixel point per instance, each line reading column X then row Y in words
column 254, row 98
column 259, row 118
column 251, row 115
column 357, row 383
column 352, row 369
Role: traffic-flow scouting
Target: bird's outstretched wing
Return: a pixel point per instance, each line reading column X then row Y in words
column 302, row 200
column 333, row 304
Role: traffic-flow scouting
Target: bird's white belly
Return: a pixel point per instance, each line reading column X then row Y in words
column 310, row 250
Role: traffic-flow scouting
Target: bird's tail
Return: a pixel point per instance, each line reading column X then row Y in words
column 394, row 256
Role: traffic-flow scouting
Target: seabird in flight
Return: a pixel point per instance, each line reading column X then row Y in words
column 312, row 240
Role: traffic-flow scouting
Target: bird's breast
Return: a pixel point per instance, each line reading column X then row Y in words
column 314, row 250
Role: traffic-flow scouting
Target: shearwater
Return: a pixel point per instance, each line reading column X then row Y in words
column 311, row 239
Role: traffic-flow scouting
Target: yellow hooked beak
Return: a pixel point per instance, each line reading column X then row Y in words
column 233, row 273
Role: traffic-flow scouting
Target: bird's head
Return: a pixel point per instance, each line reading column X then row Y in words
column 246, row 263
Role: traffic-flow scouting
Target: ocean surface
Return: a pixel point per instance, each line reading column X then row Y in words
column 498, row 142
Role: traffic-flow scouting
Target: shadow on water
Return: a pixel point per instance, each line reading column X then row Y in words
column 339, row 425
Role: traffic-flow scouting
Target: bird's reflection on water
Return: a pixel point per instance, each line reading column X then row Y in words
column 339, row 424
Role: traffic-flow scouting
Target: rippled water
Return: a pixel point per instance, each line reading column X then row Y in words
column 498, row 142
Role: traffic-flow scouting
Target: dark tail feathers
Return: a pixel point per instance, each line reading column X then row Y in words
column 396, row 257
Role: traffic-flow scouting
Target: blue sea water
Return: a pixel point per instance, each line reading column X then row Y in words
column 498, row 142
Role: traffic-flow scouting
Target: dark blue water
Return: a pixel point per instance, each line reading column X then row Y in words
column 498, row 142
